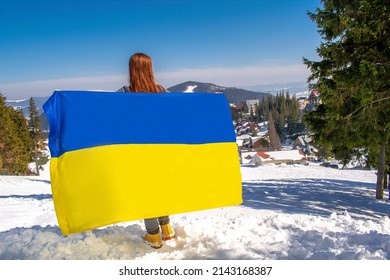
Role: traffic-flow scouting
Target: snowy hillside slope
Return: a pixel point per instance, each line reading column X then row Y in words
column 289, row 212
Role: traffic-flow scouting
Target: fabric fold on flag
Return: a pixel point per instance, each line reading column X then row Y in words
column 120, row 157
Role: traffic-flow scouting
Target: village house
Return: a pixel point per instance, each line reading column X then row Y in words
column 302, row 100
column 314, row 97
column 278, row 157
column 303, row 143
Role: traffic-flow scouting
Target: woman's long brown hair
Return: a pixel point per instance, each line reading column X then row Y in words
column 141, row 74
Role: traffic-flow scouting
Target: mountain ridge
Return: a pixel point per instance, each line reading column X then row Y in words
column 233, row 94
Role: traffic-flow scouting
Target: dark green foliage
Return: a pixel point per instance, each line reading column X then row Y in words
column 284, row 111
column 20, row 140
column 14, row 140
column 353, row 78
column 274, row 140
column 34, row 126
column 34, row 123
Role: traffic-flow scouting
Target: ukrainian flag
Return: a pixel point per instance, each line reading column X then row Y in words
column 128, row 156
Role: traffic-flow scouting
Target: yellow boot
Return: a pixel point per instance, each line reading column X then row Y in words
column 167, row 232
column 154, row 240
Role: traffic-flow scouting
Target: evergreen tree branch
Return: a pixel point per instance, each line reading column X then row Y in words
column 365, row 106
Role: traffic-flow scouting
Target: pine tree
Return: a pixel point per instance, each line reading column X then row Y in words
column 34, row 126
column 353, row 79
column 284, row 111
column 24, row 140
column 4, row 123
column 274, row 139
column 13, row 146
column 293, row 116
column 234, row 114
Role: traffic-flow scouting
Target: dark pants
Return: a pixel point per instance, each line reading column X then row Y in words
column 153, row 225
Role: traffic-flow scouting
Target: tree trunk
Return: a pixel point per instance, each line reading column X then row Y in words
column 387, row 176
column 37, row 167
column 381, row 172
column 36, row 163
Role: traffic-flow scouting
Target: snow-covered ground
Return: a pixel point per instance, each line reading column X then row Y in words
column 289, row 212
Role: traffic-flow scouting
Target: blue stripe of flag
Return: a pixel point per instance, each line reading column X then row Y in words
column 85, row 119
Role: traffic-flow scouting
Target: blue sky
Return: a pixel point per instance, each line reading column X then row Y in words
column 49, row 44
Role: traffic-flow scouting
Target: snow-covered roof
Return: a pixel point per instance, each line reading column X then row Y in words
column 281, row 155
column 304, row 139
column 304, row 94
column 246, row 157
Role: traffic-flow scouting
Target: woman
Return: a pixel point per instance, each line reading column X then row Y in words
column 142, row 80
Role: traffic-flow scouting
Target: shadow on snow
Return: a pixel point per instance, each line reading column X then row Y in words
column 315, row 196
column 28, row 196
